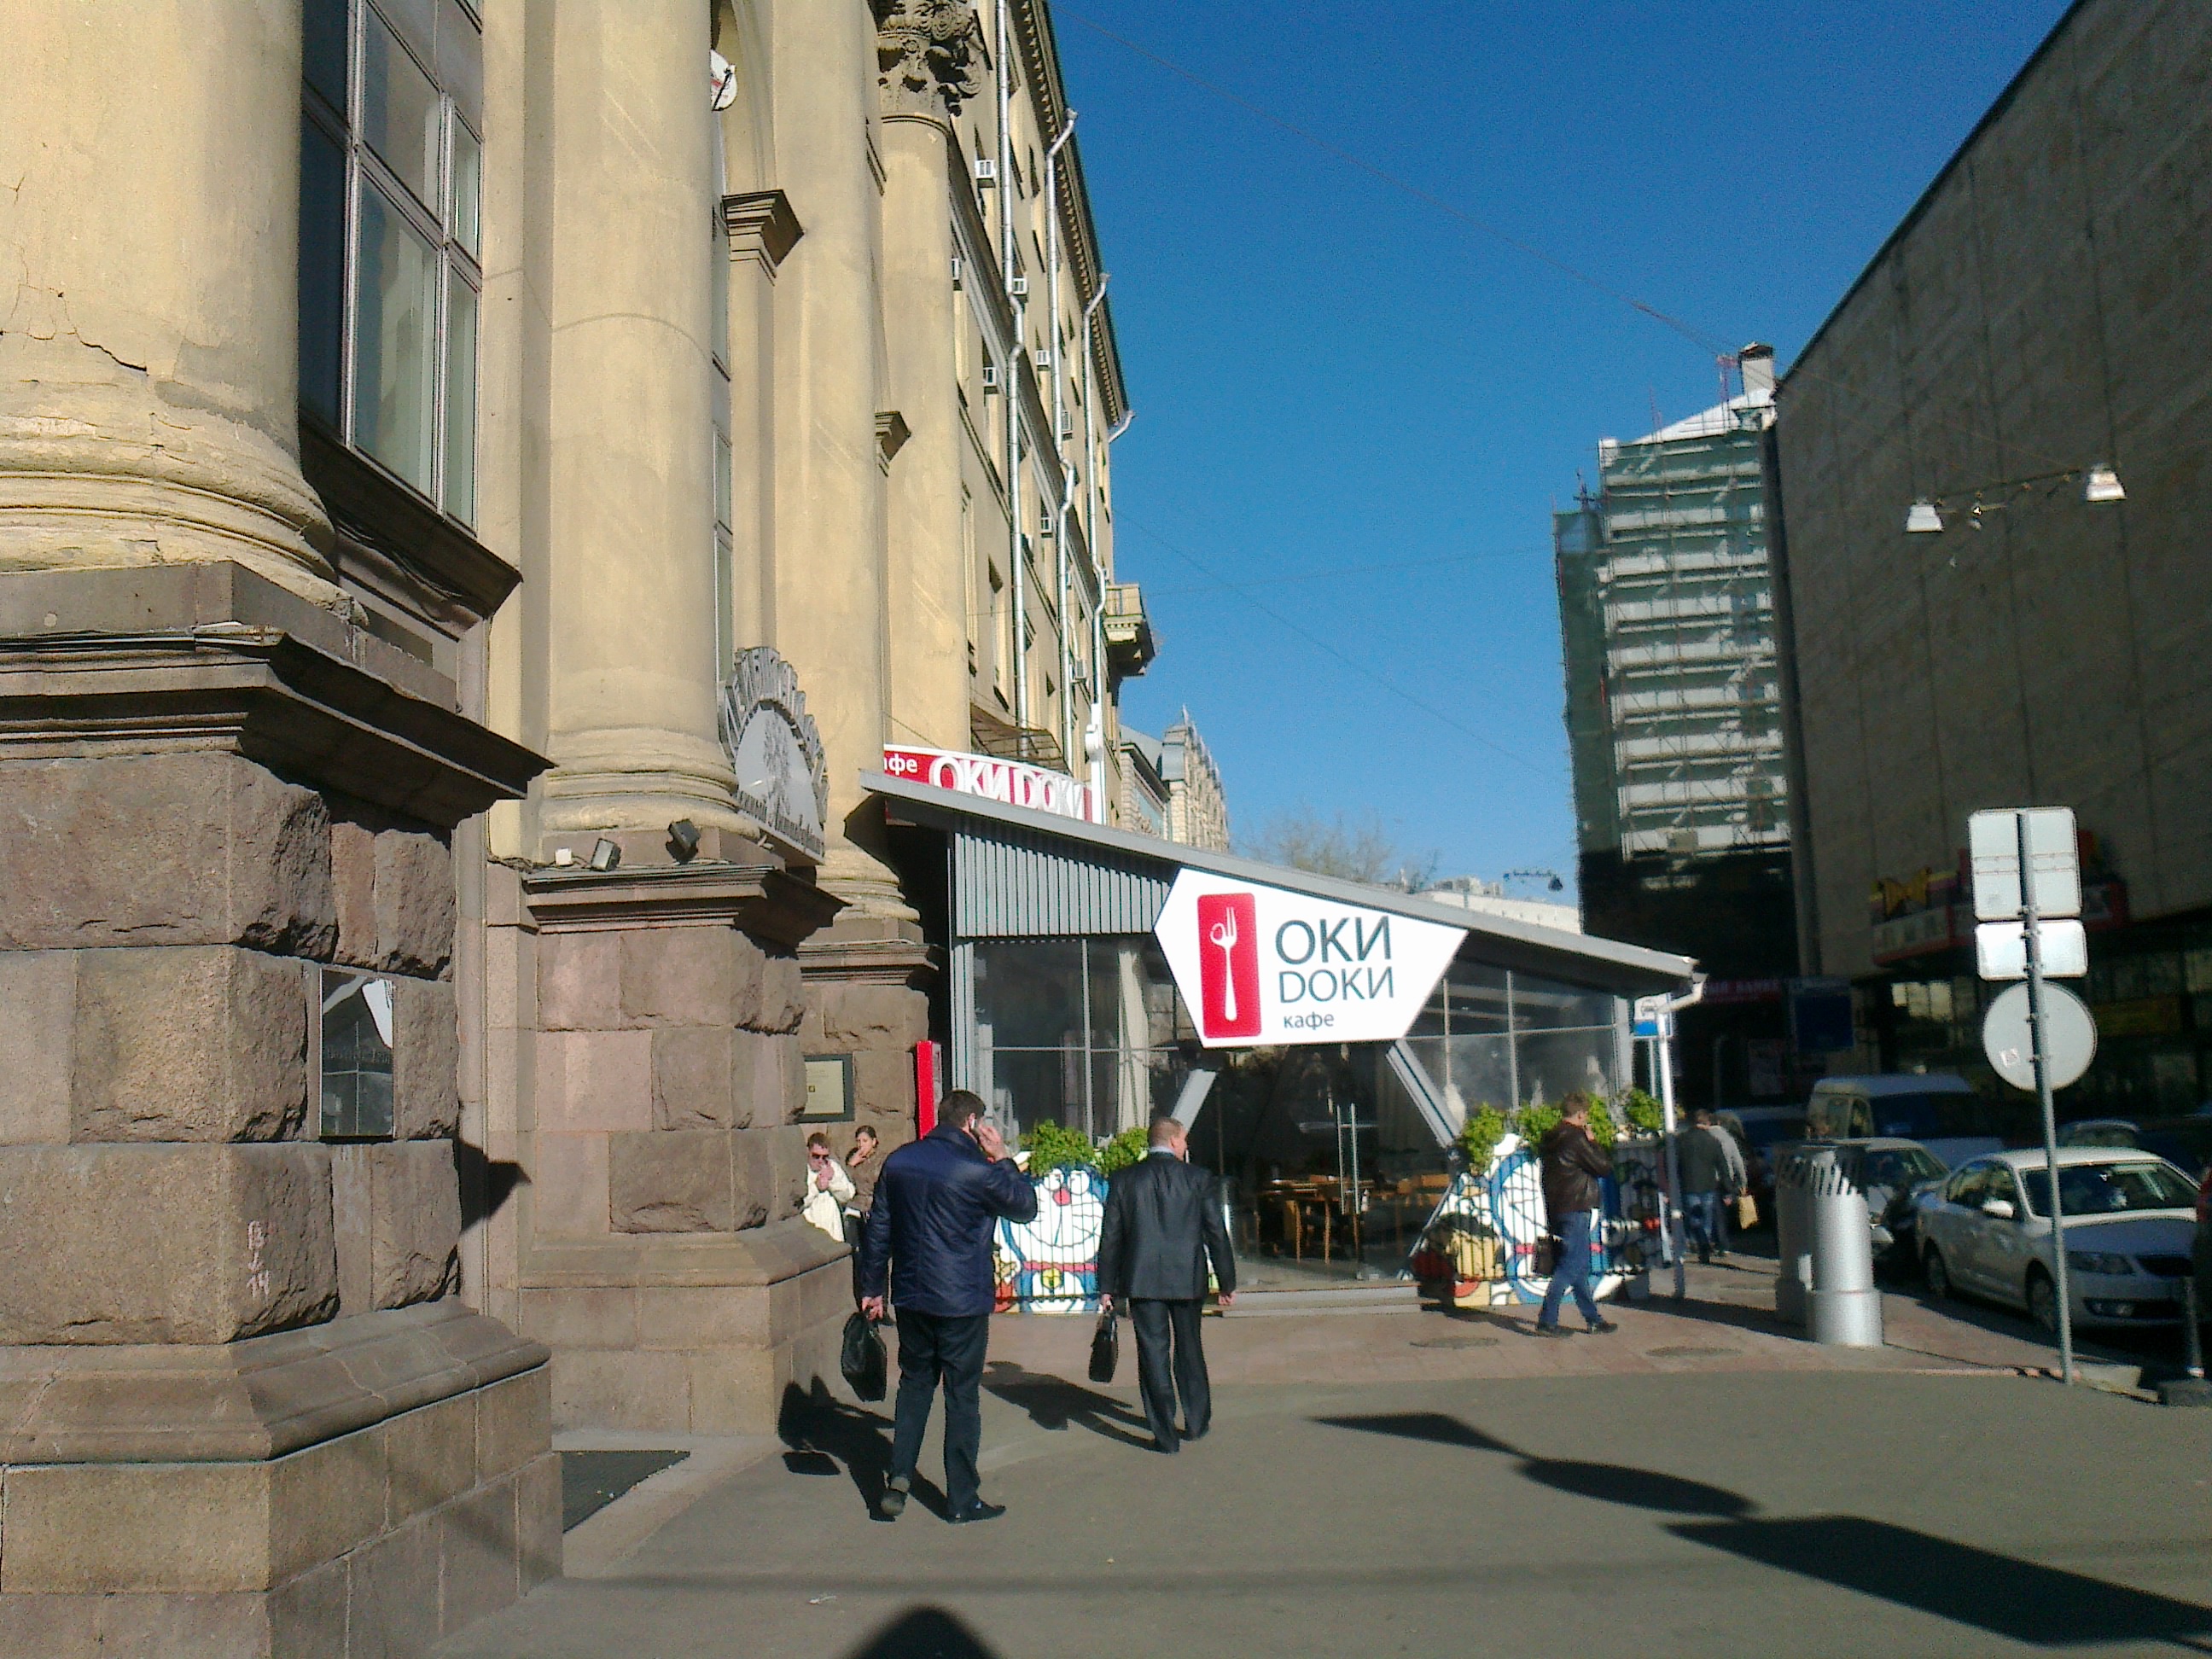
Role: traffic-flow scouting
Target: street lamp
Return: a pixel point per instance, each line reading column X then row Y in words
column 1924, row 517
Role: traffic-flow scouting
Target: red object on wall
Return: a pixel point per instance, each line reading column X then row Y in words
column 928, row 1069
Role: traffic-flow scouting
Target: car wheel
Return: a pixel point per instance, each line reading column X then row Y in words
column 1938, row 1275
column 2042, row 1301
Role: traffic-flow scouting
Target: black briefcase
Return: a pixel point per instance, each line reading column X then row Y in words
column 1105, row 1348
column 861, row 1358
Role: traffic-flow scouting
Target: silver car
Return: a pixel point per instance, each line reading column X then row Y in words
column 2130, row 1217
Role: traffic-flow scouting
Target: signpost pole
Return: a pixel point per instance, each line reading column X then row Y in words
column 1662, row 1052
column 2030, row 928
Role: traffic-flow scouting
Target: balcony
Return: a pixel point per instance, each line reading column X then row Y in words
column 1129, row 645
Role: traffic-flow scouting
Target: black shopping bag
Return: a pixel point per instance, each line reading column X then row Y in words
column 862, row 1359
column 1105, row 1348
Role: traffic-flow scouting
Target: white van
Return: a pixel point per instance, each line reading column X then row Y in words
column 1939, row 1109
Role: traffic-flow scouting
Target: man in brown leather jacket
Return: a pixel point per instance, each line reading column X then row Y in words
column 1573, row 1165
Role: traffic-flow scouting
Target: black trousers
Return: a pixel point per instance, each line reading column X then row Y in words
column 933, row 1348
column 1172, row 1360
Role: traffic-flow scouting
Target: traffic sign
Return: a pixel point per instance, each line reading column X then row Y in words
column 2001, row 949
column 2069, row 1037
column 1993, row 844
column 1654, row 1017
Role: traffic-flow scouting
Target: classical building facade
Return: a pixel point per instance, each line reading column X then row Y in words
column 461, row 547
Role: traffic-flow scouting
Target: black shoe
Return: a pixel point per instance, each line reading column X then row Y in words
column 892, row 1505
column 1197, row 1434
column 1603, row 1326
column 1552, row 1330
column 1170, row 1445
column 1705, row 1256
column 978, row 1510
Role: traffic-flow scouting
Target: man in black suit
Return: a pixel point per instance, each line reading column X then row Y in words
column 1162, row 1224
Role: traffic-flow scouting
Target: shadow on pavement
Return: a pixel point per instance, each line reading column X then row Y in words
column 1053, row 1402
column 818, row 1429
column 1999, row 1593
column 925, row 1633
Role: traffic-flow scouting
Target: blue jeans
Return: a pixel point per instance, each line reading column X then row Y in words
column 1705, row 1215
column 1570, row 1271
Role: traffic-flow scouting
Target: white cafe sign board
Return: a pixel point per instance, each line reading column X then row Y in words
column 1260, row 965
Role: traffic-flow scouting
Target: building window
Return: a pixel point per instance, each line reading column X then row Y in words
column 356, row 1056
column 390, row 212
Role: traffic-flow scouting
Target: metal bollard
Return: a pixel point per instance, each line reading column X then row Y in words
column 2192, row 1341
column 1790, row 1276
column 1842, row 1307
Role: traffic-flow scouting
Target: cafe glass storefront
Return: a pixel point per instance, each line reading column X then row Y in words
column 1058, row 1007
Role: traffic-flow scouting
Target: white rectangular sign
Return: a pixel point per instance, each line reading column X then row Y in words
column 1263, row 965
column 1993, row 844
column 2001, row 949
column 1653, row 1017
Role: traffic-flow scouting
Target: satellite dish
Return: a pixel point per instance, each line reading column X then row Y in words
column 721, row 81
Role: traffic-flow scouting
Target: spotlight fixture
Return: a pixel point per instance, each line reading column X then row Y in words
column 683, row 840
column 605, row 855
column 1922, row 519
column 564, row 857
column 2103, row 484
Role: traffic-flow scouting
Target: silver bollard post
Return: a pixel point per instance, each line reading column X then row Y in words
column 1843, row 1307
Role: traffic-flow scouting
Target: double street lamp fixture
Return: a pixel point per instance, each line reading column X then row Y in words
column 2100, row 483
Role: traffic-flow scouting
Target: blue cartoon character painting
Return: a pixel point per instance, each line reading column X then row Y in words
column 1050, row 1264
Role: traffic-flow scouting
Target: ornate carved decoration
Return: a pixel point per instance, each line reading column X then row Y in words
column 783, row 779
column 928, row 56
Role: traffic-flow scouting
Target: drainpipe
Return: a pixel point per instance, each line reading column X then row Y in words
column 1061, row 560
column 1095, row 741
column 1012, row 389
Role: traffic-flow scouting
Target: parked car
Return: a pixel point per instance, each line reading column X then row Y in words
column 1893, row 1172
column 1939, row 1109
column 2201, row 1251
column 2183, row 1142
column 2131, row 1227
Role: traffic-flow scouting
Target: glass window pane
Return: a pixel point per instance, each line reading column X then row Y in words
column 399, row 110
column 468, row 190
column 323, row 56
column 1030, row 992
column 322, row 270
column 395, row 335
column 460, row 59
column 722, row 481
column 356, row 1057
column 460, row 398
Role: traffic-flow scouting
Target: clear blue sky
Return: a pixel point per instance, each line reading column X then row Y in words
column 1331, row 375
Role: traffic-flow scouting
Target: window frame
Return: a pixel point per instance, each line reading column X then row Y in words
column 454, row 261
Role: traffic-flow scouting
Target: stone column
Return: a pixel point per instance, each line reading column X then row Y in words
column 632, row 680
column 930, row 67
column 148, row 402
column 238, row 1413
column 832, row 600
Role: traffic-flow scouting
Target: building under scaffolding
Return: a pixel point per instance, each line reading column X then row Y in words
column 1674, row 713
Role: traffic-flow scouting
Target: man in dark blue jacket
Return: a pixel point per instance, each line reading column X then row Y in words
column 936, row 1203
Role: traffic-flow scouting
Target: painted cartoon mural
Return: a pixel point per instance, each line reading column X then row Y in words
column 1489, row 1227
column 1050, row 1264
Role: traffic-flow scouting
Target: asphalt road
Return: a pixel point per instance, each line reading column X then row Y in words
column 1711, row 1514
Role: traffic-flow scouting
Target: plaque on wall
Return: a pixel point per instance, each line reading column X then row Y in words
column 776, row 749
column 828, row 1089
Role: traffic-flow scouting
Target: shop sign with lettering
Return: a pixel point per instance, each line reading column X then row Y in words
column 1017, row 783
column 1260, row 965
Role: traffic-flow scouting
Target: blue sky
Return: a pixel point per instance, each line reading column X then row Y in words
column 1331, row 375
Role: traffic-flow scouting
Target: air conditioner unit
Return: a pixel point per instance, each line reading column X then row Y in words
column 1044, row 362
column 956, row 273
column 990, row 376
column 986, row 174
column 1044, row 524
column 1019, row 287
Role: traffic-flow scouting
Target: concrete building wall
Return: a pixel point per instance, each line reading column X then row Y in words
column 2041, row 310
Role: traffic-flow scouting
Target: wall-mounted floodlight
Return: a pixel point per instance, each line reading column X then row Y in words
column 1922, row 519
column 2103, row 484
column 683, row 840
column 605, row 855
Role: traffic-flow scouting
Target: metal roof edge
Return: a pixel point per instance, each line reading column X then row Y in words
column 1662, row 965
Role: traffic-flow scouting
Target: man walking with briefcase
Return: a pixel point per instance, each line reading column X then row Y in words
column 1163, row 1226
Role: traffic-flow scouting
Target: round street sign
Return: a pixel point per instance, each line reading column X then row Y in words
column 2070, row 1038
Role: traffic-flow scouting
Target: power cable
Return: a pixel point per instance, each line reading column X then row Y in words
column 1352, row 663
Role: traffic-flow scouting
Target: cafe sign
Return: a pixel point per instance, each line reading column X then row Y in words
column 1260, row 965
column 1015, row 783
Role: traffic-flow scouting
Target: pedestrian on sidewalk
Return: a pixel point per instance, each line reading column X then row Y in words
column 829, row 1189
column 1573, row 1163
column 928, row 1240
column 1712, row 1175
column 1163, row 1223
column 862, row 1165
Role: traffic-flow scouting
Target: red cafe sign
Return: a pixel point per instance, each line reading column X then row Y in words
column 1013, row 782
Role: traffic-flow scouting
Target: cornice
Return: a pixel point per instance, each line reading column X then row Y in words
column 765, row 900
column 762, row 226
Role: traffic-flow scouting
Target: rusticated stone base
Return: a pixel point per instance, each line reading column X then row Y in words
column 388, row 1476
